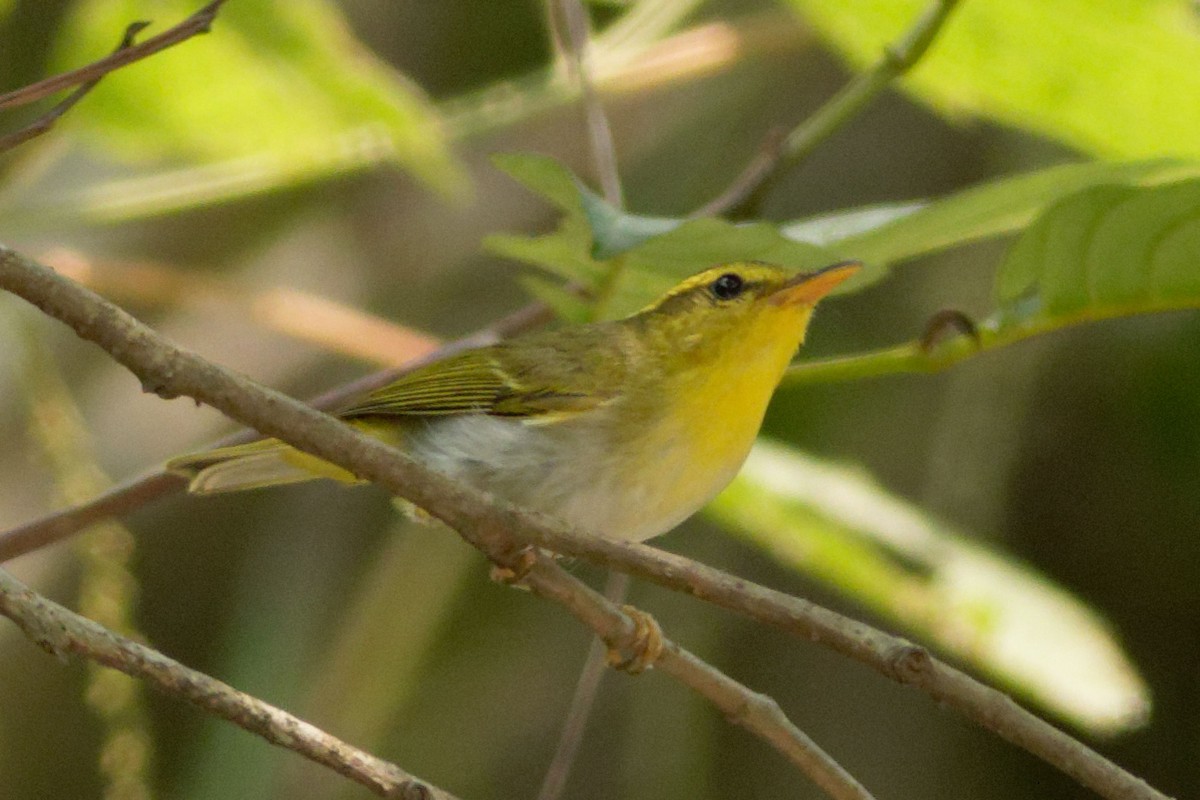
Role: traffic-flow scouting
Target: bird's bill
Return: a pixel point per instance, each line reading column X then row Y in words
column 809, row 287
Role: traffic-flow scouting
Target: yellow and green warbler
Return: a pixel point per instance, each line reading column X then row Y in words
column 622, row 428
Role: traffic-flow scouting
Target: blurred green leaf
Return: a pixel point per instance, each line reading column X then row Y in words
column 283, row 84
column 1001, row 617
column 567, row 306
column 1112, row 77
column 542, row 175
column 1103, row 252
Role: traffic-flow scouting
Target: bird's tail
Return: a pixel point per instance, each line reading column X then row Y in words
column 253, row 466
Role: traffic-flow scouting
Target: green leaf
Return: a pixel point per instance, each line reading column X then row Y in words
column 543, row 175
column 284, row 86
column 992, row 209
column 1111, row 77
column 1107, row 251
column 615, row 231
column 627, row 261
column 567, row 306
column 648, row 255
column 1103, row 252
column 982, row 607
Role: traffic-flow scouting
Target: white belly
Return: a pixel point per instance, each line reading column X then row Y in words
column 568, row 471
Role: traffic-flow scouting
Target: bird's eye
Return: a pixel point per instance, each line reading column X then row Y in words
column 728, row 286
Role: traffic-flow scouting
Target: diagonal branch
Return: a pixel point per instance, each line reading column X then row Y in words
column 764, row 169
column 498, row 530
column 46, row 121
column 197, row 23
column 62, row 633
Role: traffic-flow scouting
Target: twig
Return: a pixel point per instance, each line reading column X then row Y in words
column 750, row 186
column 116, row 502
column 47, row 120
column 197, row 23
column 582, row 701
column 568, row 22
column 765, row 161
column 62, row 633
column 496, row 529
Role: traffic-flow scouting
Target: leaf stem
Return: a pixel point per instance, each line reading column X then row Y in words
column 995, row 332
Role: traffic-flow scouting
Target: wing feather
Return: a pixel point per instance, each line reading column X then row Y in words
column 492, row 380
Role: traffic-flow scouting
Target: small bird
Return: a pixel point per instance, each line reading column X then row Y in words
column 621, row 428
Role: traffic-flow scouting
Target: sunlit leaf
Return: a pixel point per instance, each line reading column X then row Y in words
column 1001, row 617
column 284, row 83
column 1112, row 77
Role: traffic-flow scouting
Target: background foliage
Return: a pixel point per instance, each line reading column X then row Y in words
column 344, row 151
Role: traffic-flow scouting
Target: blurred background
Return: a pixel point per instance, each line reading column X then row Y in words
column 1077, row 453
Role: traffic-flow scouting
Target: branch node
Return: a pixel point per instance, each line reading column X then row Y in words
column 910, row 663
column 131, row 32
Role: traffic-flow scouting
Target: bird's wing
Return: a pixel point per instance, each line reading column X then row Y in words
column 484, row 381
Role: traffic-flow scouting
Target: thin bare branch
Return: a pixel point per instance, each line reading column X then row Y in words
column 498, row 530
column 46, row 121
column 123, row 499
column 765, row 161
column 897, row 59
column 569, row 27
column 197, row 23
column 62, row 633
column 582, row 701
column 891, row 656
